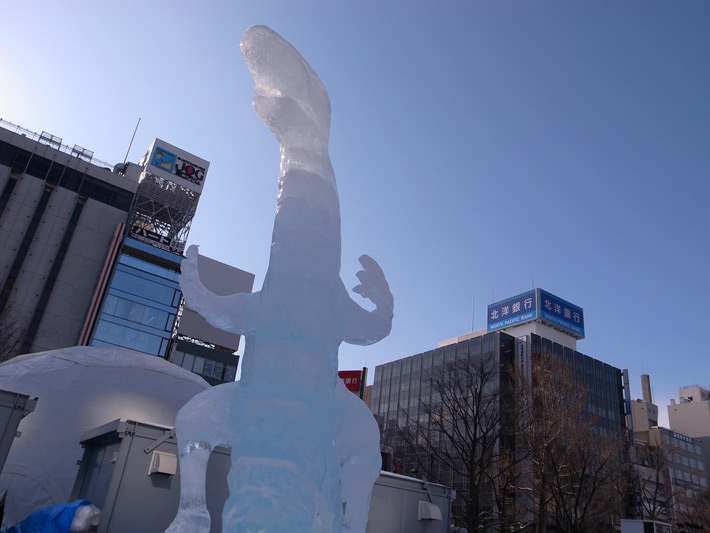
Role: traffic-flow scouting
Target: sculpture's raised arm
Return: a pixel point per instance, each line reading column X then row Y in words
column 233, row 313
column 365, row 327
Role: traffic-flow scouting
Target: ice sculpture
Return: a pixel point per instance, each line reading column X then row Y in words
column 305, row 451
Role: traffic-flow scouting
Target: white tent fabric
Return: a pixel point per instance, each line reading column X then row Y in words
column 79, row 389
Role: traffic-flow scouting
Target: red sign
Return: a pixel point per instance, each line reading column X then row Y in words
column 352, row 380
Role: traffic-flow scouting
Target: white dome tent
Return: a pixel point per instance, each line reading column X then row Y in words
column 79, row 389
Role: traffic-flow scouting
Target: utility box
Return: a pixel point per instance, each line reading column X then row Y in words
column 13, row 408
column 402, row 504
column 130, row 471
column 645, row 526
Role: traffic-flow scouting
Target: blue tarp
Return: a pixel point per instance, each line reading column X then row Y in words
column 54, row 519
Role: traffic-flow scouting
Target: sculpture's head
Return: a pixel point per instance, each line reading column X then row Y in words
column 292, row 101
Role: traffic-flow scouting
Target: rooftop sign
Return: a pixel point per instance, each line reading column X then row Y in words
column 537, row 304
column 178, row 166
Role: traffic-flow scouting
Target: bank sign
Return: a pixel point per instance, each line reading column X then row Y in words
column 170, row 162
column 537, row 304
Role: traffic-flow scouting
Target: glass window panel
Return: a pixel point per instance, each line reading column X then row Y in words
column 164, row 345
column 122, row 308
column 230, row 373
column 438, row 356
column 110, row 305
column 38, row 167
column 125, row 282
column 198, row 365
column 151, row 268
column 218, row 370
column 188, row 361
column 378, row 373
column 177, row 357
column 208, row 368
column 135, row 312
column 426, row 360
column 474, row 346
column 396, row 368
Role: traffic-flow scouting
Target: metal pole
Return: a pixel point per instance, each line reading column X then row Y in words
column 131, row 143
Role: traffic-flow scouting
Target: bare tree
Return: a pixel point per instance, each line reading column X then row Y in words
column 695, row 514
column 464, row 437
column 573, row 469
column 650, row 464
column 584, row 479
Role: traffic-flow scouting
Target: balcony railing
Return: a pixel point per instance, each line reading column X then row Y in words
column 56, row 143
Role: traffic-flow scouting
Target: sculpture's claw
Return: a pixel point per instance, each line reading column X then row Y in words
column 373, row 285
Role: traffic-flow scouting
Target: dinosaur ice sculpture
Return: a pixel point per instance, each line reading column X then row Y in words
column 305, row 451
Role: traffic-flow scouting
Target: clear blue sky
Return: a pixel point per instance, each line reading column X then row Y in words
column 479, row 147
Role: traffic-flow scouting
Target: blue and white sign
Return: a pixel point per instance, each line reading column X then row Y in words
column 537, row 304
column 513, row 311
column 176, row 165
column 561, row 313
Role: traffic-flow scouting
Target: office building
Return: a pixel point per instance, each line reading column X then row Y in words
column 691, row 416
column 59, row 211
column 520, row 331
column 669, row 465
column 90, row 252
column 671, row 472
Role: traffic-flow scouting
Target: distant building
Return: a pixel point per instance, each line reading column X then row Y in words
column 671, row 471
column 669, row 465
column 692, row 417
column 367, row 396
column 520, row 330
column 643, row 411
column 90, row 252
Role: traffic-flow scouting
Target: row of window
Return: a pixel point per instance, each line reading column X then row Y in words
column 132, row 282
column 681, row 475
column 400, row 384
column 687, row 461
column 109, row 333
column 204, row 367
column 140, row 308
column 682, row 444
column 139, row 313
column 65, row 177
column 152, row 268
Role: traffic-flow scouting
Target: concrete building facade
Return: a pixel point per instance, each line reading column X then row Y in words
column 90, row 253
column 58, row 216
column 670, row 470
column 691, row 416
column 669, row 465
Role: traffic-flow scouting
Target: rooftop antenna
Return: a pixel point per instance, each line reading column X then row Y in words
column 131, row 143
